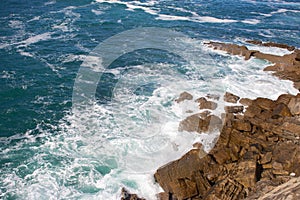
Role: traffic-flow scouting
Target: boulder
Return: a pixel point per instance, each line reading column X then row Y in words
column 200, row 123
column 184, row 96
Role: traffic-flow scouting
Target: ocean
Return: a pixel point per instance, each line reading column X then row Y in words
column 87, row 87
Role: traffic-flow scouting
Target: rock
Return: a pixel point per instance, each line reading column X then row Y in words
column 286, row 191
column 284, row 98
column 285, row 67
column 245, row 101
column 256, row 42
column 201, row 124
column 231, row 98
column 266, row 158
column 176, row 177
column 205, row 104
column 226, row 189
column 184, row 96
column 245, row 173
column 264, row 103
column 234, row 109
column 213, row 96
column 294, row 105
column 281, row 110
column 125, row 195
column 242, row 125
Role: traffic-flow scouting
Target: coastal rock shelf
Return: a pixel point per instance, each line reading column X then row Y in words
column 257, row 155
column 286, row 67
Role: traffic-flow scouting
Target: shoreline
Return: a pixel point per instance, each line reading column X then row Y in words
column 258, row 149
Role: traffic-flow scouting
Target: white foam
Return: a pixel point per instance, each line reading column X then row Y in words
column 269, row 50
column 16, row 24
column 133, row 134
column 251, row 21
column 134, row 5
column 35, row 39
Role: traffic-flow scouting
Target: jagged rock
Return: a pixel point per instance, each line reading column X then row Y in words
column 257, row 149
column 286, row 66
column 271, row 44
column 226, row 189
column 205, row 104
column 266, row 158
column 200, row 123
column 125, row 195
column 184, row 96
column 234, row 109
column 231, row 98
column 176, row 177
column 286, row 191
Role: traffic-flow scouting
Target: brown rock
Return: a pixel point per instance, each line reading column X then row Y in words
column 226, row 189
column 176, row 176
column 201, row 124
column 281, row 110
column 234, row 109
column 245, row 101
column 205, row 104
column 266, row 158
column 242, row 125
column 284, row 98
column 184, row 96
column 125, row 195
column 245, row 173
column 256, row 42
column 283, row 46
column 264, row 103
column 286, row 191
column 231, row 98
column 294, row 105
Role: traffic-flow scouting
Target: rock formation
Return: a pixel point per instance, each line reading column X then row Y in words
column 258, row 147
column 285, row 67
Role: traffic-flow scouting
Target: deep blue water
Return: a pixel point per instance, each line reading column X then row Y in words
column 45, row 153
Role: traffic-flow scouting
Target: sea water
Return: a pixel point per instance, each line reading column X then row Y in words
column 49, row 150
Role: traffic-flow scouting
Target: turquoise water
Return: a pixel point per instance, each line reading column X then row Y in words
column 49, row 151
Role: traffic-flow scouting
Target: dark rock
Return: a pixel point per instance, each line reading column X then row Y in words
column 125, row 195
column 184, row 96
column 281, row 110
column 234, row 109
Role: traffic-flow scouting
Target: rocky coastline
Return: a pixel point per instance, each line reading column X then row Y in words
column 257, row 155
